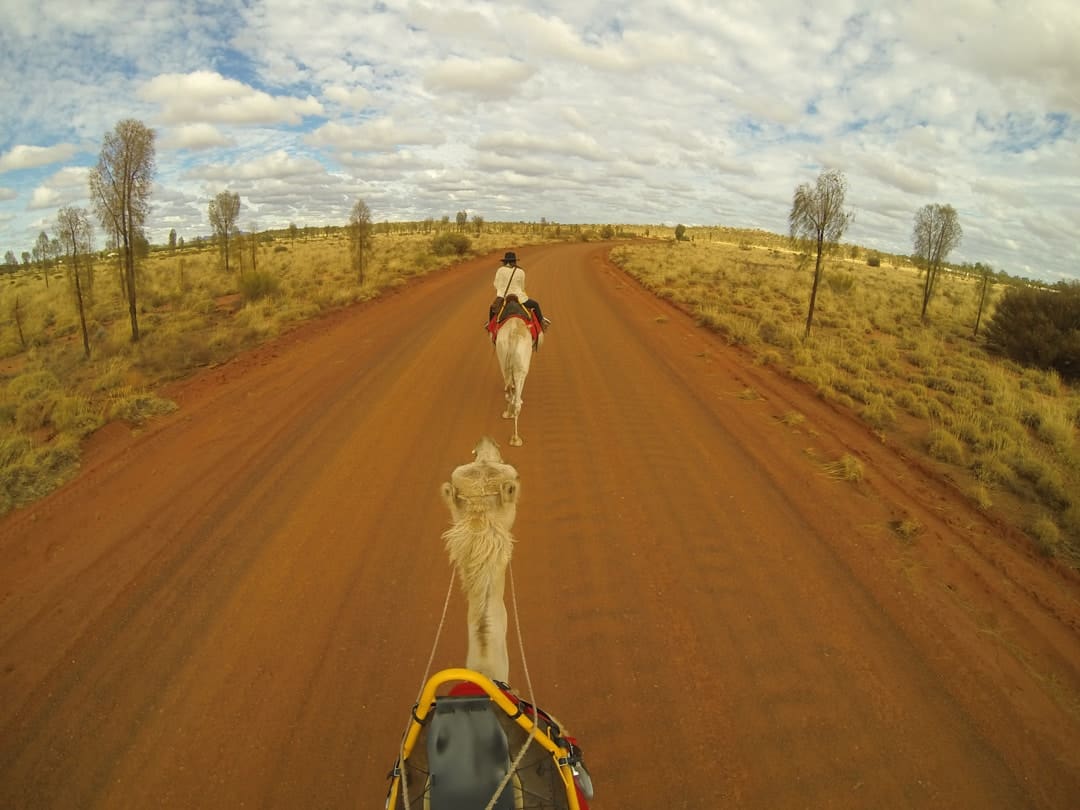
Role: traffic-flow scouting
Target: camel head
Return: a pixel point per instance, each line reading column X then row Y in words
column 485, row 485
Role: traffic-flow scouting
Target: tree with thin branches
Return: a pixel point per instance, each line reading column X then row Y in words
column 360, row 233
column 40, row 254
column 818, row 216
column 120, row 186
column 76, row 238
column 224, row 211
column 937, row 231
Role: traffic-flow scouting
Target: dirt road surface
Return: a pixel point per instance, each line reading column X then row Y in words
column 235, row 606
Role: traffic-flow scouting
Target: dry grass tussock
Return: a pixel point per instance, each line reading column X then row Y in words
column 1006, row 434
column 191, row 315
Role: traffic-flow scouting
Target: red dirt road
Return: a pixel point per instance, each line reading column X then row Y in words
column 235, row 607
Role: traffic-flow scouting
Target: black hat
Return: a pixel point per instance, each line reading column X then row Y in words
column 510, row 257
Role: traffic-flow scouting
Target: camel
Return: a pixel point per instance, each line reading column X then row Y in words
column 482, row 497
column 477, row 744
column 514, row 348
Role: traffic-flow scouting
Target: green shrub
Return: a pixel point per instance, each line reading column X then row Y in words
column 1039, row 328
column 258, row 285
column 451, row 244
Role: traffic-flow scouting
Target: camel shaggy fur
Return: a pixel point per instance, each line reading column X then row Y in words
column 482, row 497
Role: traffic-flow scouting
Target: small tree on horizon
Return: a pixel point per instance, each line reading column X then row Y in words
column 224, row 211
column 360, row 229
column 937, row 231
column 76, row 237
column 818, row 216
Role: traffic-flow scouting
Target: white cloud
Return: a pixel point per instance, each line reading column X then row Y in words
column 195, row 137
column 207, row 96
column 23, row 156
column 44, row 197
column 381, row 134
column 8, row 193
column 277, row 166
column 490, row 79
column 356, row 98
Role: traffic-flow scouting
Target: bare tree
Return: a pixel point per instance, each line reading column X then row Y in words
column 254, row 247
column 985, row 272
column 120, row 188
column 818, row 216
column 17, row 315
column 937, row 231
column 76, row 238
column 41, row 254
column 360, row 230
column 224, row 211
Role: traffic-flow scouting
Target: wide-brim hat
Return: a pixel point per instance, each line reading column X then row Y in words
column 510, row 257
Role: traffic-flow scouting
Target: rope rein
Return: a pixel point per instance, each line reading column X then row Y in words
column 427, row 671
column 532, row 697
column 519, row 758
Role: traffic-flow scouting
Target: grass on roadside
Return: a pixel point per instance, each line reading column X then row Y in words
column 1007, row 433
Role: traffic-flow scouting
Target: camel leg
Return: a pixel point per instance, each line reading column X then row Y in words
column 516, row 440
column 508, row 411
column 515, row 407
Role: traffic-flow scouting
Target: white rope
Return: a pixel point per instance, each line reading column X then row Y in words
column 423, row 681
column 532, row 698
column 406, row 799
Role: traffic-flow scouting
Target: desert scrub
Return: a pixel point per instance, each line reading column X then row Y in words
column 913, row 400
column 258, row 285
column 31, row 471
column 791, row 419
column 1055, row 426
column 77, row 415
column 878, row 414
column 944, row 446
column 907, row 528
column 980, row 496
column 845, row 468
column 1044, row 531
column 768, row 357
column 136, row 406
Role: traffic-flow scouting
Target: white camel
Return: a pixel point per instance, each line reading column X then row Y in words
column 482, row 497
column 514, row 348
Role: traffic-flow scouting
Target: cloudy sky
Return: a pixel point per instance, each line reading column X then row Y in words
column 658, row 111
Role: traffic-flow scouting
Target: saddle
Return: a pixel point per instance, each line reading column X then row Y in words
column 512, row 308
column 459, row 747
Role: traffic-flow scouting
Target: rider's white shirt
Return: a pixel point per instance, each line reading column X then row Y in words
column 517, row 282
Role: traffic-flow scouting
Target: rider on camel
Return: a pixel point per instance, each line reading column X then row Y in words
column 510, row 281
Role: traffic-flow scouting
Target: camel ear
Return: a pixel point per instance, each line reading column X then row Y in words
column 509, row 491
column 448, row 494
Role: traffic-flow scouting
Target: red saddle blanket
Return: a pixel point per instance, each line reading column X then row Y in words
column 513, row 309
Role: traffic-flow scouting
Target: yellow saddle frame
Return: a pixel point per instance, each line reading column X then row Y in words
column 555, row 746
